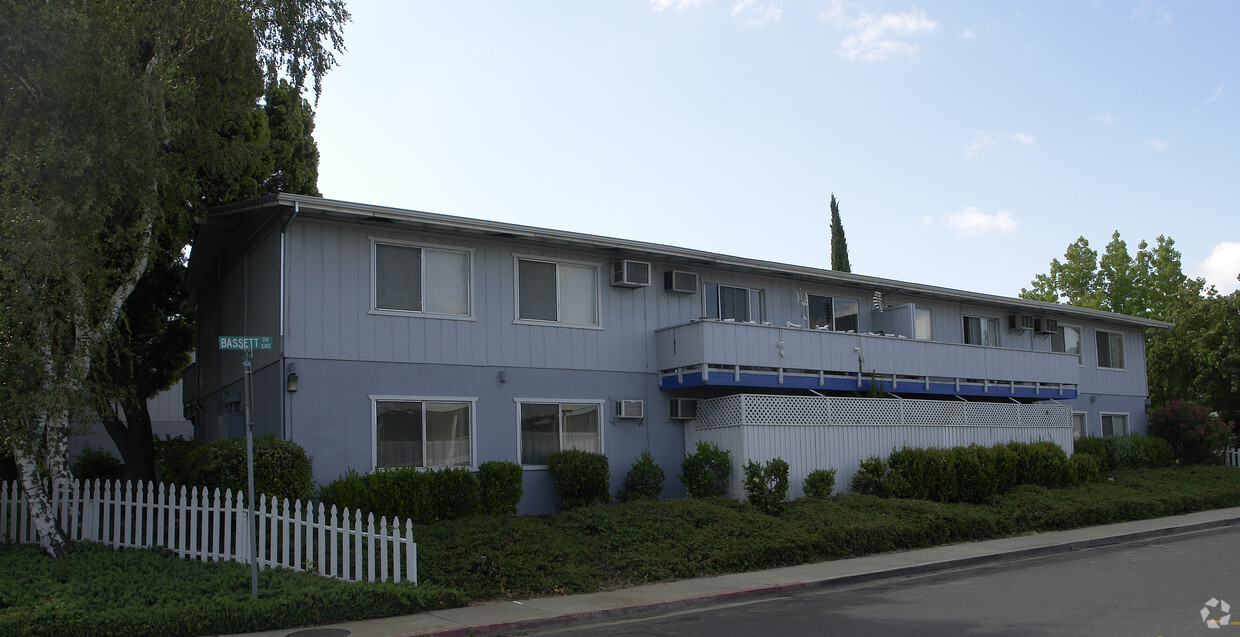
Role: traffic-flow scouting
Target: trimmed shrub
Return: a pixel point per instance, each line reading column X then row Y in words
column 819, row 483
column 705, row 472
column 767, row 485
column 96, row 464
column 874, row 477
column 1084, row 467
column 1196, row 436
column 501, row 487
column 1041, row 463
column 644, row 481
column 1158, row 452
column 453, row 494
column 582, row 478
column 281, row 467
column 1096, row 447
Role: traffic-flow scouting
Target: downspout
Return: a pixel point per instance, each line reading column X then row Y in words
column 286, row 405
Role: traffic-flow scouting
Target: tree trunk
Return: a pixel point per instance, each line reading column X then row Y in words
column 139, row 443
column 39, row 499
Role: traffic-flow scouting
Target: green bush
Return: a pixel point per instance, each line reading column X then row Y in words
column 1084, row 468
column 819, row 483
column 454, row 493
column 767, row 485
column 1196, row 436
column 1158, row 452
column 281, row 467
column 1096, row 447
column 1042, row 463
column 96, row 464
column 582, row 478
column 874, row 477
column 644, row 481
column 706, row 471
column 501, row 485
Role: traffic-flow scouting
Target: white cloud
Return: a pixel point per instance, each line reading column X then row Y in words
column 1218, row 92
column 1155, row 143
column 981, row 141
column 756, row 13
column 1021, row 138
column 874, row 38
column 967, row 34
column 971, row 222
column 680, row 5
column 1106, row 118
column 1222, row 266
column 1148, row 12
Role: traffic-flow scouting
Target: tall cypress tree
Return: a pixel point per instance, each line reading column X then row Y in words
column 839, row 245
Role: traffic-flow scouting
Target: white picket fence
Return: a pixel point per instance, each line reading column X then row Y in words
column 1231, row 457
column 213, row 526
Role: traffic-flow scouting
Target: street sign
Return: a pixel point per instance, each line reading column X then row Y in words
column 245, row 342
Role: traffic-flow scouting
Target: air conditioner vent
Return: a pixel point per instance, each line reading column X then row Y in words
column 684, row 409
column 630, row 409
column 1020, row 322
column 1046, row 326
column 679, row 282
column 630, row 274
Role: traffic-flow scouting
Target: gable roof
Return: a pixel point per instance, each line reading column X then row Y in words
column 268, row 213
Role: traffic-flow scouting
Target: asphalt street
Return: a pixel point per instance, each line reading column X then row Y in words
column 1153, row 588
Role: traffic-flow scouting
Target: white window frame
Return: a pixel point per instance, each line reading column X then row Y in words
column 1098, row 350
column 374, row 278
column 1102, row 426
column 1080, row 343
column 602, row 421
column 982, row 319
column 835, row 301
column 374, row 428
column 516, row 288
column 753, row 307
column 1084, row 432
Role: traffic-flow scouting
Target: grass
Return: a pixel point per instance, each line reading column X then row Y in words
column 98, row 591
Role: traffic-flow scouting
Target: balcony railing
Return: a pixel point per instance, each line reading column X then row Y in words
column 725, row 353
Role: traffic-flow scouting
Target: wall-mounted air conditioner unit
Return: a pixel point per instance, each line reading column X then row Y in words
column 1020, row 322
column 1046, row 326
column 630, row 409
column 684, row 409
column 630, row 274
column 680, row 282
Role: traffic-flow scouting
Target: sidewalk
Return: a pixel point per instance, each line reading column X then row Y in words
column 500, row 617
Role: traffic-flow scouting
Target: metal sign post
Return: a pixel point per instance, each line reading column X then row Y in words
column 247, row 345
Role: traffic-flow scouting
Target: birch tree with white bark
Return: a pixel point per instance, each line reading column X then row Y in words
column 111, row 112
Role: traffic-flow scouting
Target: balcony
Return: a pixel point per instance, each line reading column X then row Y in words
column 728, row 354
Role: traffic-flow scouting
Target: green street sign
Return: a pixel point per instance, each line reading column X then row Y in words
column 245, row 342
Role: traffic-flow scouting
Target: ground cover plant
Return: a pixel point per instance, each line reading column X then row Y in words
column 587, row 549
column 99, row 591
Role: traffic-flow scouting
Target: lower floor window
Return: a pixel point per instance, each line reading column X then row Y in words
column 1078, row 425
column 423, row 433
column 1114, row 425
column 547, row 427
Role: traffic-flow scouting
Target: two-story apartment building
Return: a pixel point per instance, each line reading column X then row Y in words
column 404, row 338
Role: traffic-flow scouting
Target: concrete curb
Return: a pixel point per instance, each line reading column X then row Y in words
column 777, row 590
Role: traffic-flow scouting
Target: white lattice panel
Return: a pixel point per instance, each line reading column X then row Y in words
column 934, row 412
column 719, row 412
column 786, row 410
column 865, row 411
column 1046, row 415
column 993, row 415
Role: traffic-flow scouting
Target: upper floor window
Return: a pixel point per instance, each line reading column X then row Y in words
column 1110, row 349
column 727, row 302
column 422, row 433
column 1067, row 340
column 981, row 331
column 921, row 324
column 547, row 427
column 832, row 313
column 411, row 278
column 557, row 292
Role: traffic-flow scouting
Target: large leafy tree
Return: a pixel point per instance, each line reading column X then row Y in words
column 266, row 149
column 110, row 120
column 1199, row 358
column 839, row 245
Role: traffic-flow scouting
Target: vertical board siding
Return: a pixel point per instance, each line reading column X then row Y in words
column 834, row 433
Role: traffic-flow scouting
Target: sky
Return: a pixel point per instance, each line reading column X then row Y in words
column 968, row 143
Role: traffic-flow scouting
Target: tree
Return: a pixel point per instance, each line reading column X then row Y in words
column 267, row 149
column 110, row 113
column 1199, row 358
column 839, row 245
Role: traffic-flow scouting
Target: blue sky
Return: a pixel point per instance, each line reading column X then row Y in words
column 968, row 143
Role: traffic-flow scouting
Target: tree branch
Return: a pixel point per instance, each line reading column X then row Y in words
column 34, row 95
